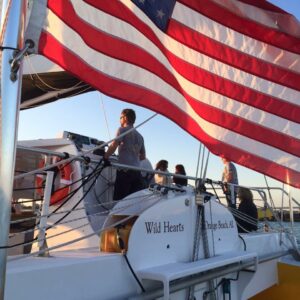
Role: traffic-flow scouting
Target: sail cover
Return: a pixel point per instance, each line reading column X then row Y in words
column 226, row 71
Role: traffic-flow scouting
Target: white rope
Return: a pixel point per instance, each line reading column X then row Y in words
column 34, row 72
column 74, row 210
column 105, row 115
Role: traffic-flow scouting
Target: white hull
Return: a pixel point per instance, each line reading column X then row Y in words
column 158, row 229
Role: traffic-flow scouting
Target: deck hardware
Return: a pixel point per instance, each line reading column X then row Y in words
column 18, row 55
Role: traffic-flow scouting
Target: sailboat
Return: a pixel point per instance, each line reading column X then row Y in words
column 68, row 239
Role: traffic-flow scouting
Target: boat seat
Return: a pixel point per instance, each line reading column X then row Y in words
column 168, row 272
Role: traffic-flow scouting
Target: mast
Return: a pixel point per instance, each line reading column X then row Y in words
column 12, row 32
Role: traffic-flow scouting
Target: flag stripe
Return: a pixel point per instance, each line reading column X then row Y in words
column 237, row 92
column 151, row 82
column 233, row 39
column 136, row 94
column 248, row 27
column 256, row 111
column 117, row 52
column 253, row 63
column 281, row 141
column 264, row 5
column 194, row 58
column 264, row 13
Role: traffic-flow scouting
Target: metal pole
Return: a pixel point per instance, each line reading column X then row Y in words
column 12, row 31
column 45, row 211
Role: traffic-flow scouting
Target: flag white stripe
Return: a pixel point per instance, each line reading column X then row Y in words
column 124, row 31
column 131, row 73
column 235, row 40
column 281, row 22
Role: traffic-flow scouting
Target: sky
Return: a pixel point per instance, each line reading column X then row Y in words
column 97, row 116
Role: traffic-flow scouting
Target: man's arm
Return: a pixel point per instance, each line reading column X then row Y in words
column 142, row 153
column 111, row 149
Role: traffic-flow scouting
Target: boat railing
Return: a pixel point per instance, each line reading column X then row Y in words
column 273, row 203
column 263, row 198
column 38, row 232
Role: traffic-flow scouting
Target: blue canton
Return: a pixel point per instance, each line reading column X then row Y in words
column 159, row 11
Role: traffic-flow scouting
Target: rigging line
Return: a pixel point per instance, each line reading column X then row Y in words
column 241, row 215
column 198, row 160
column 85, row 194
column 8, row 48
column 212, row 232
column 35, row 240
column 85, row 180
column 121, row 135
column 282, row 198
column 202, row 162
column 206, row 165
column 83, row 237
column 85, row 152
column 113, row 210
column 88, row 87
column 44, row 82
column 104, row 113
column 269, row 191
column 118, row 210
column 55, row 214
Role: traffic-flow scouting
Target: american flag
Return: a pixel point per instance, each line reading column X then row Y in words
column 226, row 71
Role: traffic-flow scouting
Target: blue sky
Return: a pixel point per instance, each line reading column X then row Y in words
column 97, row 116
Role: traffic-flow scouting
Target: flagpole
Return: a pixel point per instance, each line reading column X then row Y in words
column 12, row 32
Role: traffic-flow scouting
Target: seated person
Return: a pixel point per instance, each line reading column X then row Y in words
column 162, row 179
column 147, row 178
column 248, row 208
column 179, row 169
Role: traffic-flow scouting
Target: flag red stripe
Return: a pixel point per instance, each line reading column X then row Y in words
column 250, row 28
column 264, row 5
column 245, row 127
column 202, row 77
column 110, row 45
column 232, row 57
column 114, row 48
column 131, row 93
column 240, row 93
column 239, row 125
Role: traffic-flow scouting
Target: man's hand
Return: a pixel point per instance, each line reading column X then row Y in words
column 106, row 162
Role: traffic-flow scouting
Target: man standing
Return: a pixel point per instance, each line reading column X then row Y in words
column 131, row 149
column 230, row 176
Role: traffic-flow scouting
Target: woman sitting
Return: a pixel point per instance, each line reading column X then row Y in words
column 179, row 169
column 247, row 219
column 162, row 179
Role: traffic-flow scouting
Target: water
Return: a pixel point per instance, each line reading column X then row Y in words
column 288, row 225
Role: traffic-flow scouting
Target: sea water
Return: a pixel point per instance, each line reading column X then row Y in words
column 296, row 228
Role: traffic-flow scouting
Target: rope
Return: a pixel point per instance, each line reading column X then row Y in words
column 7, row 48
column 36, row 240
column 33, row 71
column 63, row 161
column 104, row 113
column 86, row 236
